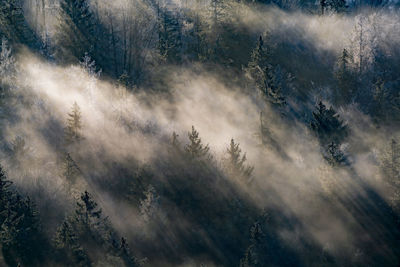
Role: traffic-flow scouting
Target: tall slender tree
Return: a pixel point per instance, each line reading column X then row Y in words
column 235, row 163
column 74, row 125
column 196, row 149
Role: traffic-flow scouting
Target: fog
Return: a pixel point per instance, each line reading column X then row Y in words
column 292, row 181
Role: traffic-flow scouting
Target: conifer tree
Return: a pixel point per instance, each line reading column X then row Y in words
column 263, row 75
column 13, row 25
column 169, row 36
column 346, row 79
column 67, row 242
column 235, row 163
column 195, row 149
column 21, row 238
column 74, row 125
column 258, row 61
column 79, row 32
column 254, row 253
column 87, row 214
column 272, row 89
column 126, row 255
column 70, row 169
column 381, row 102
column 327, row 125
column 88, row 229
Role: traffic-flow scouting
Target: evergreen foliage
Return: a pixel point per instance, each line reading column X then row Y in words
column 346, row 80
column 70, row 169
column 235, row 163
column 13, row 25
column 80, row 32
column 21, row 237
column 74, row 125
column 264, row 75
column 196, row 150
column 169, row 36
column 327, row 125
column 191, row 207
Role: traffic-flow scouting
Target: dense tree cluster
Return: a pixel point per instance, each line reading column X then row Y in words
column 191, row 201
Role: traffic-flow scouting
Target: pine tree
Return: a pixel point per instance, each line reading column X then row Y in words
column 327, row 125
column 70, row 169
column 253, row 257
column 13, row 25
column 217, row 10
column 258, row 62
column 235, row 163
column 272, row 89
column 21, row 237
column 264, row 75
column 87, row 214
column 169, row 36
column 381, row 102
column 195, row 149
column 78, row 31
column 74, row 125
column 346, row 79
column 126, row 255
column 67, row 241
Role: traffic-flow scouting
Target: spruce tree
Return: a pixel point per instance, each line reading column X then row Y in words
column 79, row 32
column 195, row 149
column 346, row 80
column 126, row 254
column 327, row 125
column 74, row 125
column 13, row 25
column 235, row 163
column 258, row 61
column 263, row 74
column 87, row 214
column 68, row 246
column 169, row 36
column 70, row 169
column 21, row 237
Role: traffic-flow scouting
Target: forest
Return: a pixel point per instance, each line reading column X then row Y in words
column 199, row 133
